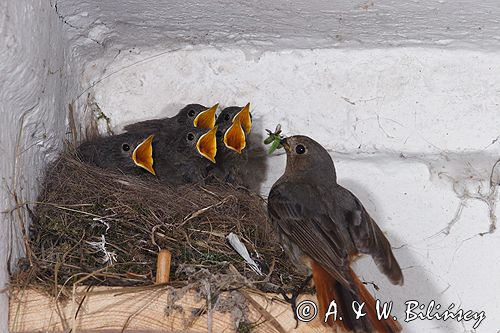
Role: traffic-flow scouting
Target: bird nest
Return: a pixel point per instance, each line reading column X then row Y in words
column 98, row 227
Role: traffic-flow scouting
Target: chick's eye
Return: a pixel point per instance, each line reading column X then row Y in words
column 227, row 117
column 191, row 113
column 300, row 149
column 125, row 147
column 190, row 136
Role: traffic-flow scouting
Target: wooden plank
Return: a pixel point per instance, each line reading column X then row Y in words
column 111, row 309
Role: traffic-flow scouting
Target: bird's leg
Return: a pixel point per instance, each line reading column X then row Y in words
column 293, row 299
column 293, row 303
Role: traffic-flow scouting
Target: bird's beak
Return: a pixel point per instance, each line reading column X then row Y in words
column 244, row 116
column 143, row 155
column 207, row 144
column 206, row 119
column 285, row 144
column 234, row 138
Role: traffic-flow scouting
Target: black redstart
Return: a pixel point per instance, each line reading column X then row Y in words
column 323, row 227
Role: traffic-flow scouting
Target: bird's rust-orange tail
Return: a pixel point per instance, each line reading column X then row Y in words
column 328, row 289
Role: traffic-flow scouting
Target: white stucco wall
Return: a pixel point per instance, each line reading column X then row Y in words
column 35, row 82
column 404, row 94
column 281, row 24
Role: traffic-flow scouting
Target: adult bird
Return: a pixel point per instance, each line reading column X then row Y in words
column 323, row 227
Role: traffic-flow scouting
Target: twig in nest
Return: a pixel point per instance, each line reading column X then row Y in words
column 153, row 231
column 201, row 211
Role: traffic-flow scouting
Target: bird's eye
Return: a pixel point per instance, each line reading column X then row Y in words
column 125, row 147
column 300, row 149
column 190, row 136
column 191, row 113
column 227, row 117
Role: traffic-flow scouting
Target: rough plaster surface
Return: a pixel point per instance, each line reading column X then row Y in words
column 413, row 131
column 35, row 78
column 297, row 24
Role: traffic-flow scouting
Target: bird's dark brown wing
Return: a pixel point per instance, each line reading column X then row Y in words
column 367, row 236
column 297, row 210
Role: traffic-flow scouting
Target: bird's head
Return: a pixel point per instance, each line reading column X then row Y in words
column 198, row 115
column 234, row 123
column 126, row 152
column 203, row 141
column 306, row 156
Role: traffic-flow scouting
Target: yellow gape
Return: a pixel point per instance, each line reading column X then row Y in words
column 207, row 144
column 143, row 155
column 234, row 138
column 244, row 116
column 206, row 119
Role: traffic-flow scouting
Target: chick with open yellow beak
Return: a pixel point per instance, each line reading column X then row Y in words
column 245, row 118
column 206, row 119
column 190, row 116
column 186, row 159
column 234, row 137
column 143, row 155
column 207, row 145
column 130, row 153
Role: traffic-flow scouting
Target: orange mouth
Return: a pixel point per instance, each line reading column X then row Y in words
column 234, row 138
column 143, row 155
column 206, row 119
column 207, row 144
column 245, row 119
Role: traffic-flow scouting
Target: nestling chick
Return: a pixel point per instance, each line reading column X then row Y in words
column 233, row 125
column 192, row 115
column 185, row 159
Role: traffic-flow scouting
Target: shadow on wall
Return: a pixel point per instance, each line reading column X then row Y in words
column 257, row 157
column 418, row 285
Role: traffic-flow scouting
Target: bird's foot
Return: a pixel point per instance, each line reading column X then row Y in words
column 293, row 303
column 293, row 299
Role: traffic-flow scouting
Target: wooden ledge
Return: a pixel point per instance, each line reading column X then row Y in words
column 140, row 310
